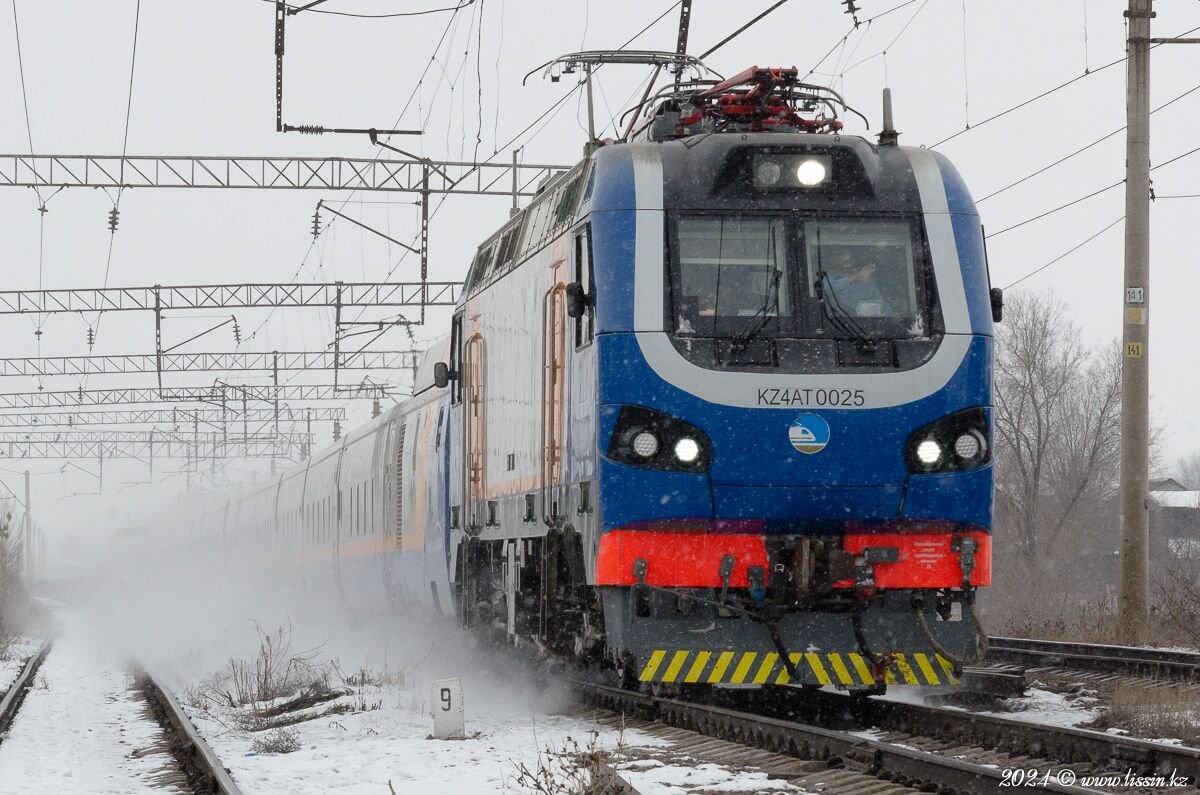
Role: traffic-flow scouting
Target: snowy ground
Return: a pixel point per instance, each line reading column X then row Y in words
column 1051, row 708
column 510, row 747
column 81, row 729
column 684, row 776
column 13, row 660
column 365, row 751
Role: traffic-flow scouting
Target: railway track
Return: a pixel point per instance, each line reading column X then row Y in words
column 15, row 695
column 204, row 771
column 916, row 746
column 199, row 768
column 856, row 763
column 1129, row 661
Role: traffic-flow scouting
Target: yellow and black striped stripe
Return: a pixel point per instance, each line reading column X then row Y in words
column 684, row 666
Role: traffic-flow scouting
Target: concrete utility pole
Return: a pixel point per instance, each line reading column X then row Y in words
column 1132, row 609
column 28, row 529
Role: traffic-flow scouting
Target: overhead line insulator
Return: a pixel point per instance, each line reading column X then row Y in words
column 114, row 218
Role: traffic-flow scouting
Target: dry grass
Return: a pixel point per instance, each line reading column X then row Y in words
column 1158, row 713
column 573, row 769
column 1174, row 617
column 1059, row 617
column 13, row 599
column 279, row 687
column 1177, row 600
column 279, row 741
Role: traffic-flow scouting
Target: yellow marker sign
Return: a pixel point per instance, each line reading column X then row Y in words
column 1136, row 316
column 1134, row 350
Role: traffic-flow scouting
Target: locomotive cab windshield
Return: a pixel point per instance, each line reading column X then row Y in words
column 790, row 276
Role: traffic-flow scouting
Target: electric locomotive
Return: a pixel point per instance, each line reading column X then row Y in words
column 715, row 408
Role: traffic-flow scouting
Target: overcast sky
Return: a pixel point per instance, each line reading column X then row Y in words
column 203, row 84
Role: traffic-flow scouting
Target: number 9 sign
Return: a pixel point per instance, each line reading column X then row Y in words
column 446, row 697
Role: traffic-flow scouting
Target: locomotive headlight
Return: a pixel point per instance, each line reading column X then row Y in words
column 969, row 446
column 687, row 450
column 929, row 452
column 767, row 173
column 645, row 444
column 812, row 171
column 788, row 171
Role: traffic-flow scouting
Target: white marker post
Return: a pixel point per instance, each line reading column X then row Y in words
column 447, row 698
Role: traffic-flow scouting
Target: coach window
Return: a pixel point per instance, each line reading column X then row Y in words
column 585, row 324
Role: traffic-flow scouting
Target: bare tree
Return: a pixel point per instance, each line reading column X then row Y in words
column 1057, row 425
column 1187, row 471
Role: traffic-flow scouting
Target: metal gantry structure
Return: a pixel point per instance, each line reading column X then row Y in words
column 410, row 175
column 220, row 395
column 149, row 446
column 201, row 362
column 224, row 403
column 159, row 298
column 173, row 418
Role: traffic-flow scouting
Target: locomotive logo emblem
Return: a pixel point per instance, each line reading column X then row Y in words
column 809, row 433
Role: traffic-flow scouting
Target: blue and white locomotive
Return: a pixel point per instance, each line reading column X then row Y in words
column 715, row 408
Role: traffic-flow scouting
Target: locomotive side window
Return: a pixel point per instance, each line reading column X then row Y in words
column 731, row 272
column 585, row 324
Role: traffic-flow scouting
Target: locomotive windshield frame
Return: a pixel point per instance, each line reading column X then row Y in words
column 788, row 309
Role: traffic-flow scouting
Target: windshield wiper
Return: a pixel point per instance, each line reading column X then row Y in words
column 760, row 318
column 839, row 317
column 834, row 312
column 770, row 307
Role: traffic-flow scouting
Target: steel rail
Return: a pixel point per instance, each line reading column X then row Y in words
column 839, row 749
column 1067, row 745
column 200, row 763
column 1129, row 660
column 15, row 695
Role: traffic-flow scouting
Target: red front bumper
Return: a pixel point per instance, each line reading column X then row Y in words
column 688, row 554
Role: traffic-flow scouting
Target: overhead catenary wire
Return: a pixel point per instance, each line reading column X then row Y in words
column 389, row 15
column 40, row 320
column 1048, row 92
column 853, row 28
column 112, row 236
column 1069, row 251
column 545, row 116
column 1082, row 149
column 739, row 31
column 303, row 264
column 1087, row 196
column 890, row 44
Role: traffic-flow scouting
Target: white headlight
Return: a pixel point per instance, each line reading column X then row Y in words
column 645, row 444
column 810, row 173
column 929, row 452
column 968, row 446
column 687, row 450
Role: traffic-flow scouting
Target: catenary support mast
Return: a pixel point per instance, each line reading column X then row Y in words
column 1135, row 363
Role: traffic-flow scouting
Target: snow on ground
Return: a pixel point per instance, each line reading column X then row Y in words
column 1048, row 707
column 13, row 660
column 365, row 751
column 653, row 777
column 1038, row 706
column 80, row 729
